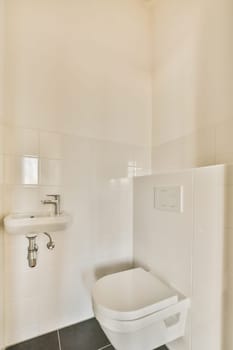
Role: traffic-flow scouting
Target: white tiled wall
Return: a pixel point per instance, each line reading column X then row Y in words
column 67, row 76
column 92, row 178
column 192, row 97
column 158, row 235
column 162, row 240
column 1, row 246
column 78, row 98
column 187, row 249
column 78, row 103
column 208, row 258
column 192, row 83
column 1, row 172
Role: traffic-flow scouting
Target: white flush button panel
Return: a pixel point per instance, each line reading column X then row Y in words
column 168, row 198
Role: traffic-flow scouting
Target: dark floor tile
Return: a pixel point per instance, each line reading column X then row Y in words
column 86, row 335
column 161, row 348
column 48, row 342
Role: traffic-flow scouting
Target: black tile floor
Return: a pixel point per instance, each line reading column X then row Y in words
column 86, row 335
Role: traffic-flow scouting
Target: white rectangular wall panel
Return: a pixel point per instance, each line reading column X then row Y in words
column 184, row 244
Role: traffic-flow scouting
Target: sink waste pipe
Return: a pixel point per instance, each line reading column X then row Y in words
column 33, row 248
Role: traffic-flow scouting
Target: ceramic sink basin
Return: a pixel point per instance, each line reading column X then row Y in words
column 26, row 223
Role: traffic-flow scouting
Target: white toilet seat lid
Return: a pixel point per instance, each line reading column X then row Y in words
column 131, row 294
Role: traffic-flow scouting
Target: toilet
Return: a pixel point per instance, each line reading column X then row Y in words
column 137, row 311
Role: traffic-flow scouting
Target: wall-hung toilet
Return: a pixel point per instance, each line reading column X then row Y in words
column 137, row 311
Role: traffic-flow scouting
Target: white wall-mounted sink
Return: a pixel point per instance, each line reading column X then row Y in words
column 26, row 223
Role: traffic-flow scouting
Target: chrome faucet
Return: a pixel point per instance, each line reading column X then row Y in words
column 56, row 201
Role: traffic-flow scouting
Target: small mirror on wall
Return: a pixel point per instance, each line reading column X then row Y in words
column 30, row 170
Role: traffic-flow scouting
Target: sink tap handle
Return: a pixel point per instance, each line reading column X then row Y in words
column 55, row 196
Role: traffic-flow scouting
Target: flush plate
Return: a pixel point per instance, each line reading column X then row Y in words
column 168, row 198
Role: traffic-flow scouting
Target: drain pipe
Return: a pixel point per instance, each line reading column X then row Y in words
column 32, row 251
column 33, row 248
column 50, row 244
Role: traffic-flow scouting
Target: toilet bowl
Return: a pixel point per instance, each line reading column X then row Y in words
column 137, row 311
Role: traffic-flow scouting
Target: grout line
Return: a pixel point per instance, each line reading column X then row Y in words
column 104, row 347
column 59, row 340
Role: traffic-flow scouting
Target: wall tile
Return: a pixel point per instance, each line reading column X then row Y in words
column 51, row 145
column 21, row 319
column 226, row 158
column 1, row 139
column 169, row 156
column 224, row 143
column 111, row 160
column 51, row 172
column 154, row 235
column 21, row 199
column 113, row 229
column 228, row 207
column 199, row 148
column 229, row 175
column 228, row 320
column 1, row 204
column 208, row 259
column 1, row 190
column 24, row 283
column 1, row 169
column 228, row 264
column 19, row 141
column 2, row 264
column 48, row 314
